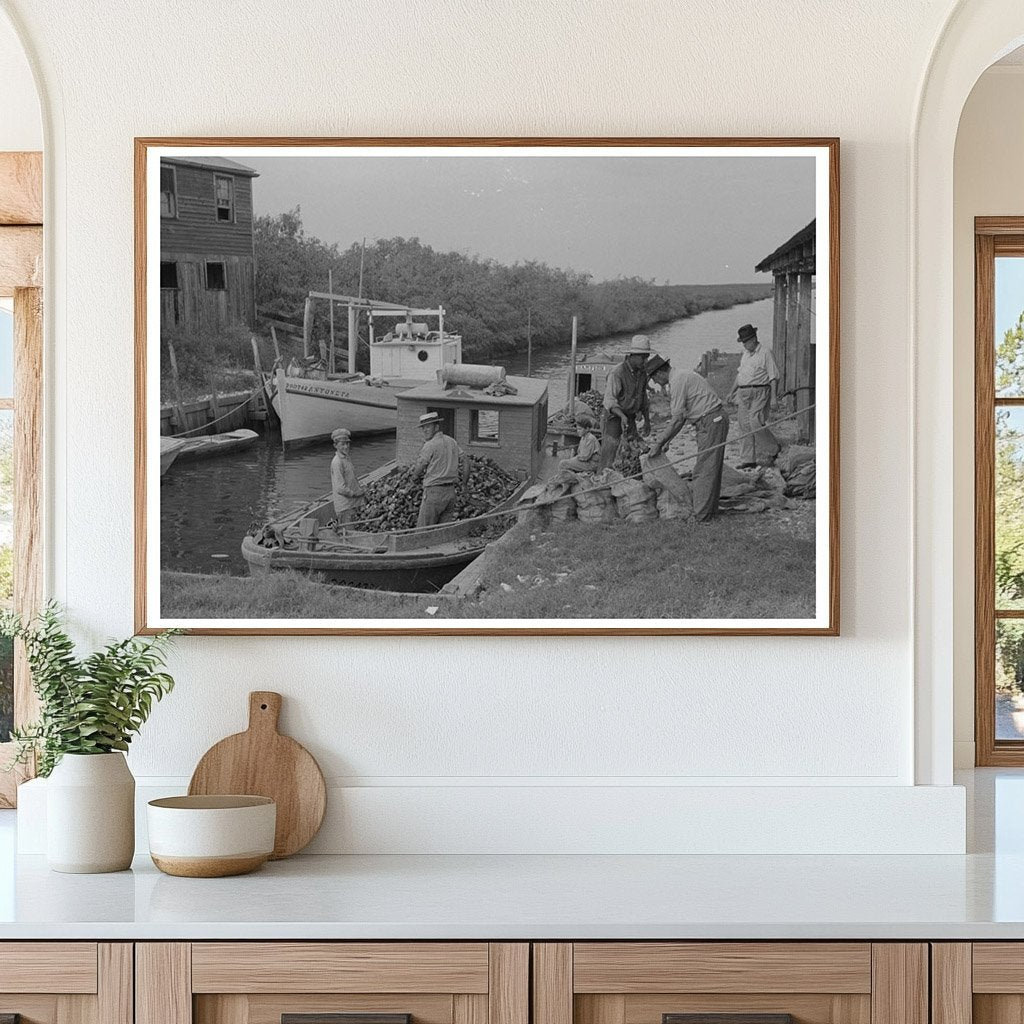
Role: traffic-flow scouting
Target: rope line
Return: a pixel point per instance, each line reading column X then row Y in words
column 516, row 509
column 230, row 412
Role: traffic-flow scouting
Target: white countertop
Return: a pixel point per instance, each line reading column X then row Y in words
column 516, row 897
column 978, row 896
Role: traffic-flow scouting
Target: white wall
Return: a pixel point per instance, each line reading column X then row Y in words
column 430, row 716
column 987, row 181
column 21, row 126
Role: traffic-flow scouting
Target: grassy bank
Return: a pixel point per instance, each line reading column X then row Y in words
column 737, row 566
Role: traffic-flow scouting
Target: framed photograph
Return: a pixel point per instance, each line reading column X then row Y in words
column 494, row 386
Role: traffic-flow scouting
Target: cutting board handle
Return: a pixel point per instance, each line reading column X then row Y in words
column 264, row 710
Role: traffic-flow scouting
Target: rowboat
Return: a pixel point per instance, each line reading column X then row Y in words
column 205, row 446
column 398, row 560
column 170, row 447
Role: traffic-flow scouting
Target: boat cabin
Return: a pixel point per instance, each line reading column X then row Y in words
column 410, row 350
column 509, row 429
column 592, row 375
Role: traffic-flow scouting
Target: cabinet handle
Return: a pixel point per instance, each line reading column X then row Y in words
column 337, row 1018
column 727, row 1018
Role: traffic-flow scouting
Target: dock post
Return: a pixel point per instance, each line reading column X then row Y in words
column 307, row 327
column 179, row 405
column 529, row 346
column 273, row 338
column 570, row 395
column 330, row 291
column 353, row 338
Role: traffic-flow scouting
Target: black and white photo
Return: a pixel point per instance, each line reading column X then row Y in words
column 479, row 386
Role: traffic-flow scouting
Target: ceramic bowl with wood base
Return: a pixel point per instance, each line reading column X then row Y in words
column 211, row 836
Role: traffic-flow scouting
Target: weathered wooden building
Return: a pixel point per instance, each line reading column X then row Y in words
column 793, row 265
column 509, row 429
column 207, row 264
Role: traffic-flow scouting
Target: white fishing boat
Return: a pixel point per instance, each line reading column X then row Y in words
column 312, row 401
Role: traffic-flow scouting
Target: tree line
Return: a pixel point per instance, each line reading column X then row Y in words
column 485, row 301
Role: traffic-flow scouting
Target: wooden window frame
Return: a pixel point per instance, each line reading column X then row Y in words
column 231, row 199
column 21, row 278
column 174, row 195
column 224, row 275
column 475, row 436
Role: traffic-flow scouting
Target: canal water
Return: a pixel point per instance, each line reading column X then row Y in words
column 206, row 507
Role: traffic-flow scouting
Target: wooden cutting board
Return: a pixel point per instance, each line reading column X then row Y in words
column 262, row 762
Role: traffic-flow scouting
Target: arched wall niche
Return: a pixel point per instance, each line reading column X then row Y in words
column 975, row 35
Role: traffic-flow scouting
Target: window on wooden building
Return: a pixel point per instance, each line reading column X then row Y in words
column 224, row 188
column 168, row 274
column 168, row 192
column 483, row 426
column 216, row 279
column 999, row 491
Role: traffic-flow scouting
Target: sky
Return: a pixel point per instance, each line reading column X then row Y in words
column 1009, row 293
column 686, row 220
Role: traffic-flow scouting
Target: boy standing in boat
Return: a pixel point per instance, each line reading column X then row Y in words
column 438, row 465
column 346, row 490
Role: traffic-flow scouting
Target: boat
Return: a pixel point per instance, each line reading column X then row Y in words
column 397, row 560
column 311, row 400
column 206, row 446
column 170, row 447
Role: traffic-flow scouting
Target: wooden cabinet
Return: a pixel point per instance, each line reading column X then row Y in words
column 308, row 982
column 758, row 982
column 978, row 983
column 66, row 982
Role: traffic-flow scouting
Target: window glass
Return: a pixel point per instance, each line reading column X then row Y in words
column 1009, row 679
column 225, row 189
column 6, row 567
column 1009, row 327
column 168, row 193
column 1009, row 513
column 168, row 274
column 6, row 353
column 484, row 426
column 215, row 278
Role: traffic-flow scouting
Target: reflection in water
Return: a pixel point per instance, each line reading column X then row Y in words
column 206, row 507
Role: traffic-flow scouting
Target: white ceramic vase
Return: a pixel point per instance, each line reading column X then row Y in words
column 90, row 814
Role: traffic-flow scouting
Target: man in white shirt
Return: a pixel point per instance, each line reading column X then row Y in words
column 755, row 392
column 694, row 400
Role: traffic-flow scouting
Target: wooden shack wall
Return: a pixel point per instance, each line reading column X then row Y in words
column 516, row 450
column 195, row 228
column 194, row 308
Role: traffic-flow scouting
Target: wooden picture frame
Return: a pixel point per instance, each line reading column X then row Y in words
column 821, row 238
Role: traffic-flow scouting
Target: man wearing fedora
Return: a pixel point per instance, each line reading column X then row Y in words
column 438, row 466
column 755, row 392
column 625, row 398
column 694, row 400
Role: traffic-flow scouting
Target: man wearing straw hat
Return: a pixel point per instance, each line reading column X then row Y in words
column 438, row 465
column 625, row 398
column 346, row 490
column 693, row 400
column 755, row 392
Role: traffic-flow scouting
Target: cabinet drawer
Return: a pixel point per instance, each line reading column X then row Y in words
column 65, row 967
column 634, row 967
column 332, row 983
column 340, row 967
column 66, row 982
column 730, row 983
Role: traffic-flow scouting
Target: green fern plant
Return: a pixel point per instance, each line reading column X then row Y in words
column 90, row 705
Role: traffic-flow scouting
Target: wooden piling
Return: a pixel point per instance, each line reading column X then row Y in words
column 179, row 405
column 307, row 327
column 529, row 346
column 330, row 291
column 277, row 347
column 570, row 397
